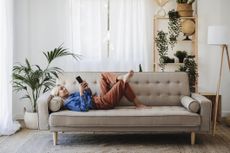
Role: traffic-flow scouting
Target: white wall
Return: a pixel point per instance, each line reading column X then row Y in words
column 213, row 13
column 40, row 26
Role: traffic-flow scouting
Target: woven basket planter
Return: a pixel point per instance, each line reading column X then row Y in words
column 185, row 10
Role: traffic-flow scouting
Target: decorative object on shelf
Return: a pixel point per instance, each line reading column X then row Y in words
column 184, row 8
column 190, row 67
column 181, row 55
column 220, row 36
column 174, row 27
column 162, row 47
column 188, row 28
column 161, row 3
column 32, row 80
column 140, row 68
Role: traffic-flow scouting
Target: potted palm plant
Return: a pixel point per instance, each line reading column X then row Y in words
column 32, row 80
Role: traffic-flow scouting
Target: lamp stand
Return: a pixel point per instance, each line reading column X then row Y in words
column 224, row 47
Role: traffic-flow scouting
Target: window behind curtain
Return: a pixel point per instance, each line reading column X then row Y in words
column 111, row 35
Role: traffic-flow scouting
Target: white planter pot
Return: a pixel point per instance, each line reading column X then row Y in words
column 31, row 120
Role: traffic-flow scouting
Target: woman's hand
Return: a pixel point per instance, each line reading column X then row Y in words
column 83, row 86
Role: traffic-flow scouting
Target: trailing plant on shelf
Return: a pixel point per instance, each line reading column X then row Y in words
column 162, row 47
column 190, row 66
column 174, row 27
column 33, row 80
column 181, row 55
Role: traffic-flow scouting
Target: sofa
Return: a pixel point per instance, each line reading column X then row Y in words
column 162, row 91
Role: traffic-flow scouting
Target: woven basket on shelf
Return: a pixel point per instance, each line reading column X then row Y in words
column 184, row 10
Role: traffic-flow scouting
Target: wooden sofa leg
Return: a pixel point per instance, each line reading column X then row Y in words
column 193, row 138
column 55, row 138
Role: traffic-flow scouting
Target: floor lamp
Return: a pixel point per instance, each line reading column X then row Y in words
column 219, row 35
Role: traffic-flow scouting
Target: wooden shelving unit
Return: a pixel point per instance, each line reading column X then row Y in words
column 193, row 46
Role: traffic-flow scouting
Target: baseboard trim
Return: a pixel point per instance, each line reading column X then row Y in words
column 18, row 117
column 225, row 113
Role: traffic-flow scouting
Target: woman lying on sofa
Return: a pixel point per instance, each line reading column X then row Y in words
column 112, row 89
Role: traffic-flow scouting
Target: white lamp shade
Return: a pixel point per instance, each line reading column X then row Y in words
column 218, row 35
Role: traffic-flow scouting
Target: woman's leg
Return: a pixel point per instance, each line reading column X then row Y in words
column 112, row 88
column 130, row 95
column 108, row 79
column 112, row 97
column 106, row 82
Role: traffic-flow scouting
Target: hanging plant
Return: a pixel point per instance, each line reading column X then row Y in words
column 162, row 47
column 174, row 27
column 190, row 66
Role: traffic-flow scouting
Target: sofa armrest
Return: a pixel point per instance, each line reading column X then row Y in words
column 205, row 112
column 43, row 111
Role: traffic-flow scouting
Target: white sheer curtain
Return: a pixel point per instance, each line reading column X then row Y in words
column 87, row 27
column 7, row 126
column 129, row 36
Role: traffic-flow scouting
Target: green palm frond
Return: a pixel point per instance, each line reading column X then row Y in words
column 18, row 86
column 54, row 71
column 59, row 52
column 28, row 64
column 26, row 97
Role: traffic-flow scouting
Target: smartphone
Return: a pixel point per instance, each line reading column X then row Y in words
column 79, row 79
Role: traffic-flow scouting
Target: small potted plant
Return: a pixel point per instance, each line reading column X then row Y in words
column 32, row 80
column 162, row 47
column 174, row 27
column 181, row 55
column 184, row 8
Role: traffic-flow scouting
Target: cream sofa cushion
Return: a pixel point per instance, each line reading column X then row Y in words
column 190, row 103
column 126, row 116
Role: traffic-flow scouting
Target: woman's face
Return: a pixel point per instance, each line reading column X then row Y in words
column 63, row 92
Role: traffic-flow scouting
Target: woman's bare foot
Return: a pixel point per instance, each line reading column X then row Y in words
column 127, row 76
column 138, row 104
column 141, row 106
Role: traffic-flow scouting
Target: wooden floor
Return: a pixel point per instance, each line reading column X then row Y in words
column 205, row 143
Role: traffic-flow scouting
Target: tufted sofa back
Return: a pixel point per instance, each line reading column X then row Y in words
column 152, row 88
